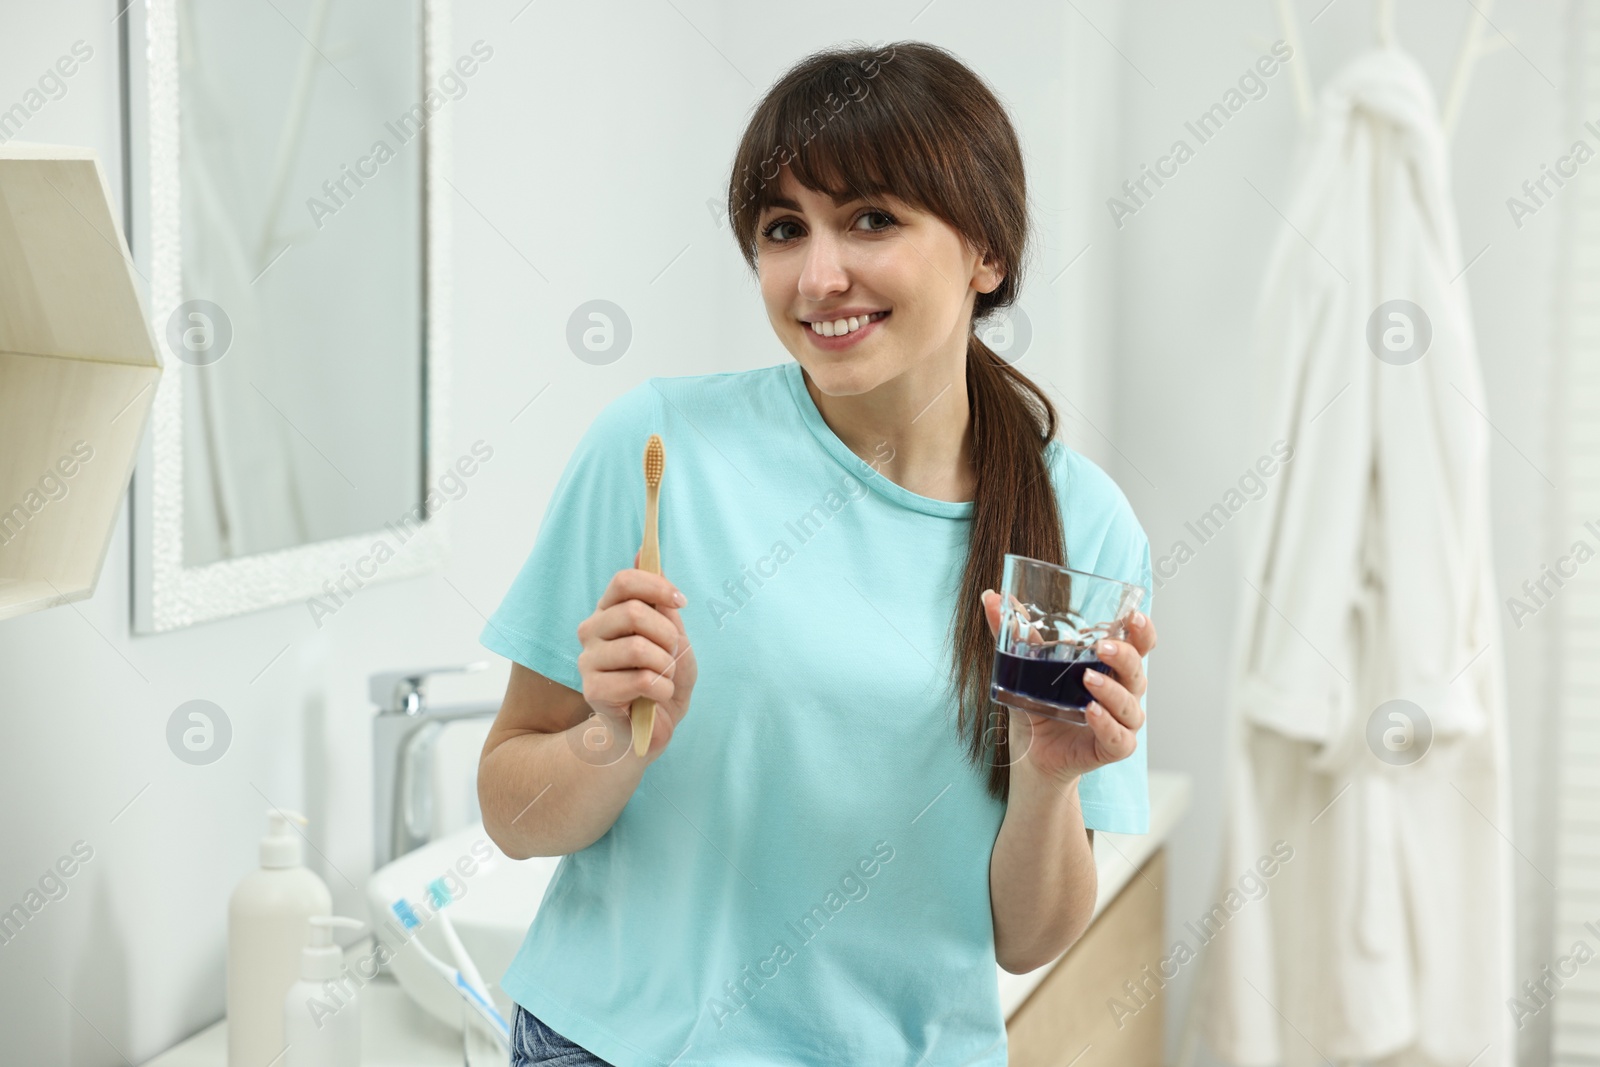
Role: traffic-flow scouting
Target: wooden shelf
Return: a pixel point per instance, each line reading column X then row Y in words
column 78, row 368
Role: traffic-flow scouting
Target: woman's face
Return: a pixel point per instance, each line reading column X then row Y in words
column 821, row 261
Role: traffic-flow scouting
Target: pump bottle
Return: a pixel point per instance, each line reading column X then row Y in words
column 268, row 927
column 322, row 1011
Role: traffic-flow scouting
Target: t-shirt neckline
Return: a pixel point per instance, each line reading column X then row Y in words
column 879, row 483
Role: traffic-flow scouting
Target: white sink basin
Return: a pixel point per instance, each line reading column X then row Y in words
column 495, row 899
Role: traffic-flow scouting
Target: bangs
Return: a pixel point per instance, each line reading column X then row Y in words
column 837, row 137
column 838, row 153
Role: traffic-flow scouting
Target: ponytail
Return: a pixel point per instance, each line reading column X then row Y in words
column 1014, row 509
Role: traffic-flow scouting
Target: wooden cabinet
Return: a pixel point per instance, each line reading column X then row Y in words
column 1068, row 1019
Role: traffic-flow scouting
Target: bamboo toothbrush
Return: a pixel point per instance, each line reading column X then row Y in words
column 643, row 710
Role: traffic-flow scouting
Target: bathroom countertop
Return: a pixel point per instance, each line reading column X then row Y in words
column 393, row 1034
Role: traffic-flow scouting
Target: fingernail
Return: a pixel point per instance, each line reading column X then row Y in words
column 1094, row 678
column 1108, row 648
column 679, row 599
column 1138, row 618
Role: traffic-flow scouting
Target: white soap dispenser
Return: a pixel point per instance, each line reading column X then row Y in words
column 268, row 926
column 322, row 1016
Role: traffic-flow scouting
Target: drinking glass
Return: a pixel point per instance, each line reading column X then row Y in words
column 479, row 1045
column 1052, row 618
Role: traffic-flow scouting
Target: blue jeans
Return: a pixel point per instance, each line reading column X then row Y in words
column 533, row 1044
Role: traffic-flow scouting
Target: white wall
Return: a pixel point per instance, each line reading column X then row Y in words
column 1189, row 268
column 587, row 149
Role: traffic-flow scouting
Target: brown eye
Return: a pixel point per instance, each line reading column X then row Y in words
column 890, row 220
column 767, row 233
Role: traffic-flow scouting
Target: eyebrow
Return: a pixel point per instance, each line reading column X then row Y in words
column 789, row 205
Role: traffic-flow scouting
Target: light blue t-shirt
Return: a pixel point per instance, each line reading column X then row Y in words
column 802, row 877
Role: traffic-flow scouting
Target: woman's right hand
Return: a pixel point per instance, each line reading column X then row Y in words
column 635, row 645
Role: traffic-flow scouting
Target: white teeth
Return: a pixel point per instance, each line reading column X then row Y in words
column 840, row 327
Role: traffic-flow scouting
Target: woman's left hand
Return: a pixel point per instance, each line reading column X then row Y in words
column 1064, row 749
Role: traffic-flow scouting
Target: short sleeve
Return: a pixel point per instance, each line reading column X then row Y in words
column 1102, row 526
column 592, row 526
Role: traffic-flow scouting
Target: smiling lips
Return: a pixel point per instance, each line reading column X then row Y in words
column 840, row 327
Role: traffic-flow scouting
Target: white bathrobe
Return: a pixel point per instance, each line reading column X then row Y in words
column 1387, row 936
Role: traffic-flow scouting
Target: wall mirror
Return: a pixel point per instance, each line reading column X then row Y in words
column 288, row 160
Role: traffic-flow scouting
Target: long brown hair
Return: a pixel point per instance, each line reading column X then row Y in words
column 913, row 121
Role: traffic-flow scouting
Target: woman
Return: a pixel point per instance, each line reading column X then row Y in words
column 824, row 861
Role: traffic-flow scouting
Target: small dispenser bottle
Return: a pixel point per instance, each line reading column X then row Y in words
column 321, row 1012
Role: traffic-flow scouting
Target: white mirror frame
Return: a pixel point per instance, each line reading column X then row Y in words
column 166, row 594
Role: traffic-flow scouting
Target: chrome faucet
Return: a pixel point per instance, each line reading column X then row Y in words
column 404, row 732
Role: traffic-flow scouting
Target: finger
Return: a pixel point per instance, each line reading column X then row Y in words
column 618, row 689
column 630, row 617
column 1114, row 740
column 991, row 610
column 1114, row 698
column 682, row 635
column 1142, row 632
column 631, row 652
column 675, row 617
column 635, row 584
column 1124, row 659
column 1110, row 694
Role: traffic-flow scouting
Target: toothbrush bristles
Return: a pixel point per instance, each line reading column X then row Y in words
column 655, row 461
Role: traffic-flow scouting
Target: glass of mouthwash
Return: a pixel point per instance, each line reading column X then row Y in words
column 1052, row 618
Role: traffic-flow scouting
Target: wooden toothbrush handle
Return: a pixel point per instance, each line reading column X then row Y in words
column 643, row 716
column 642, row 712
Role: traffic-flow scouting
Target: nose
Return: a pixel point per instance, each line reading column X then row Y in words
column 824, row 271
